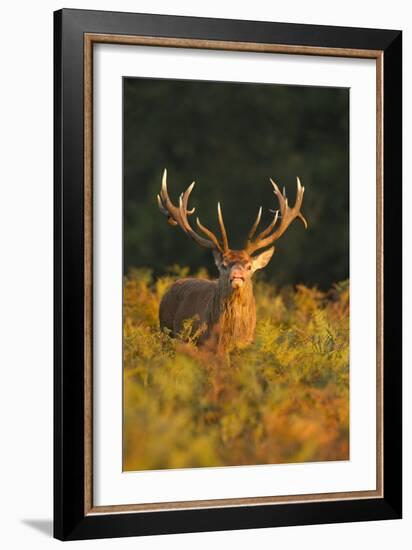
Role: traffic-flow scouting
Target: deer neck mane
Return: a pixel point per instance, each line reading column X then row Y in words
column 232, row 315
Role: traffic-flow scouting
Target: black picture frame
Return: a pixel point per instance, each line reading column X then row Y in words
column 71, row 522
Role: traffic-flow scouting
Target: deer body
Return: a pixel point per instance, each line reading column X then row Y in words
column 187, row 299
column 224, row 310
column 226, row 320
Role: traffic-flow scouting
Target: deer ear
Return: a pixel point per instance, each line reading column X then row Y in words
column 262, row 260
column 218, row 258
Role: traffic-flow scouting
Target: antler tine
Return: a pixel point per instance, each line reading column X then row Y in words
column 269, row 228
column 299, row 200
column 265, row 232
column 282, row 198
column 287, row 214
column 210, row 234
column 164, row 203
column 185, row 198
column 255, row 225
column 222, row 228
column 178, row 215
column 212, row 243
column 161, row 207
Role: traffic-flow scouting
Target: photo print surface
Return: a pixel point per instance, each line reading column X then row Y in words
column 236, row 288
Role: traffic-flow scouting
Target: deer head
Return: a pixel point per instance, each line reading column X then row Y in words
column 236, row 267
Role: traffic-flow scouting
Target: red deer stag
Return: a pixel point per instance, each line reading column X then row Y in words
column 224, row 310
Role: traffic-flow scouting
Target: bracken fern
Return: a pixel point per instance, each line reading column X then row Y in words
column 283, row 399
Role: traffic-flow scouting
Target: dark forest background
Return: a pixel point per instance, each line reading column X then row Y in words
column 230, row 138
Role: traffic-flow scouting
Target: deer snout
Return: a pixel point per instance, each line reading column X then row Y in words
column 237, row 277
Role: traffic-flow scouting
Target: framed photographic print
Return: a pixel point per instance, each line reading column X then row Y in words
column 227, row 274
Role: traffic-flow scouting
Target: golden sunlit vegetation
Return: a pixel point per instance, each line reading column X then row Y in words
column 284, row 399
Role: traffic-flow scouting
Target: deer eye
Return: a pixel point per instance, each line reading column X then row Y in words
column 249, row 267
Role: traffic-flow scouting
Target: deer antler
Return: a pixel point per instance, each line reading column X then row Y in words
column 178, row 216
column 287, row 215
